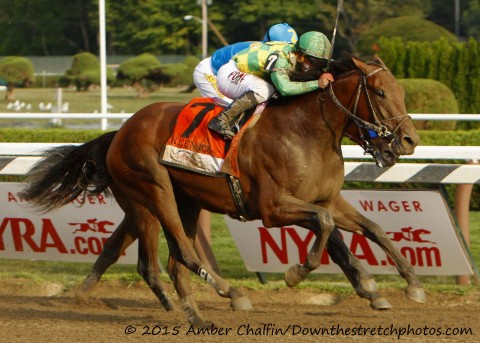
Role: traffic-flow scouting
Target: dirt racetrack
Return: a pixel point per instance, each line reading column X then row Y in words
column 122, row 312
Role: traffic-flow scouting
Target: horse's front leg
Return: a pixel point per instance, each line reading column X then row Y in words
column 361, row 281
column 348, row 218
column 288, row 210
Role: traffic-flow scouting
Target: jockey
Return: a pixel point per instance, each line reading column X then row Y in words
column 204, row 75
column 247, row 77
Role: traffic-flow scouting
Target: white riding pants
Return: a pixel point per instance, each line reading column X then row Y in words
column 206, row 83
column 233, row 83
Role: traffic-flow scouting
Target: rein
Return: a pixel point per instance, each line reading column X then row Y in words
column 375, row 129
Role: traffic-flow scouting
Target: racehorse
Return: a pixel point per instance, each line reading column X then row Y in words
column 291, row 173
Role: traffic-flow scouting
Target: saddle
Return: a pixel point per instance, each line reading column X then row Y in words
column 194, row 147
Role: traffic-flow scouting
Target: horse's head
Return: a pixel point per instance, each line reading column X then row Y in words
column 377, row 108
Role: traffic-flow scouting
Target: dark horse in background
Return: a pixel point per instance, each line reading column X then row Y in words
column 291, row 173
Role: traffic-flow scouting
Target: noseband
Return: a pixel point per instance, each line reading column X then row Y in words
column 376, row 129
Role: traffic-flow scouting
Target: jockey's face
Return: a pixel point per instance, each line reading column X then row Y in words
column 303, row 65
column 318, row 63
column 307, row 63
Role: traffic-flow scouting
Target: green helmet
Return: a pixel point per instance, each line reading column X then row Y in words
column 314, row 44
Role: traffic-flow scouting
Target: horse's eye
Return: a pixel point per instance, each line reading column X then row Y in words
column 380, row 93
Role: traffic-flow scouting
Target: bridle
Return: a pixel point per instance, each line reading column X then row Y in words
column 376, row 129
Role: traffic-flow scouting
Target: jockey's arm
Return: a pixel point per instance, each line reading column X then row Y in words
column 281, row 81
column 280, row 78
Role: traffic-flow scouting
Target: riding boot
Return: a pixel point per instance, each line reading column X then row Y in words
column 222, row 122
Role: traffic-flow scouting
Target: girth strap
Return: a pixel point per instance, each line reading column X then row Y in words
column 238, row 198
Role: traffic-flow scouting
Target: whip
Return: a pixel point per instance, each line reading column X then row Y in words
column 339, row 9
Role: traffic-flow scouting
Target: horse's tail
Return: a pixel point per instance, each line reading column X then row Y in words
column 67, row 172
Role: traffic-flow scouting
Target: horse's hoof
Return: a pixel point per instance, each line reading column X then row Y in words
column 416, row 294
column 199, row 322
column 241, row 304
column 380, row 304
column 168, row 305
column 293, row 276
column 82, row 298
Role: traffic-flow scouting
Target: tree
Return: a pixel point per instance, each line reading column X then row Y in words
column 15, row 71
column 443, row 13
column 358, row 16
column 144, row 73
column 156, row 27
column 407, row 28
column 471, row 19
column 85, row 71
column 45, row 27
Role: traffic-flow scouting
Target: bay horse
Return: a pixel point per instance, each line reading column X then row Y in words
column 291, row 173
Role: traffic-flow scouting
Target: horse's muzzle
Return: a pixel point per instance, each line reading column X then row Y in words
column 405, row 144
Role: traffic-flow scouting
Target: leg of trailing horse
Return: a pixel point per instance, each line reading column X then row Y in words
column 361, row 281
column 348, row 218
column 120, row 239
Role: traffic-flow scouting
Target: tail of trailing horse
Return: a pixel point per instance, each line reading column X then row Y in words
column 67, row 172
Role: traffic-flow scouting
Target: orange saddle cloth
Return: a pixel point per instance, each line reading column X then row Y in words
column 194, row 147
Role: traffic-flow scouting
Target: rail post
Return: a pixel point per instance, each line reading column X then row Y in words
column 463, row 194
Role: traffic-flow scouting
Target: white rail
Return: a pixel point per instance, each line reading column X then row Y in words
column 349, row 151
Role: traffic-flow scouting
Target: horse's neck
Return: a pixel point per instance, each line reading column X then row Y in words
column 312, row 117
column 327, row 119
column 346, row 89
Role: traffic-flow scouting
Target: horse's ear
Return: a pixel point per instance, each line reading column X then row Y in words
column 379, row 60
column 360, row 65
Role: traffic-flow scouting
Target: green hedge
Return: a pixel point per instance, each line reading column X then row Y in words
column 429, row 96
column 457, row 65
column 47, row 135
column 430, row 137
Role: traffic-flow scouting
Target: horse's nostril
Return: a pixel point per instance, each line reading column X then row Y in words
column 409, row 140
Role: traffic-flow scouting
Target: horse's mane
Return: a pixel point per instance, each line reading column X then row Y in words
column 342, row 65
column 345, row 64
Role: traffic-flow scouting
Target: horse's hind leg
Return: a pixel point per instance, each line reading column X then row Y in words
column 361, row 281
column 180, row 275
column 122, row 237
column 114, row 246
column 154, row 189
column 148, row 229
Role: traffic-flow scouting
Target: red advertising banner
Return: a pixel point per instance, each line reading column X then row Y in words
column 418, row 223
column 76, row 232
